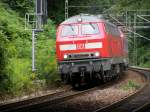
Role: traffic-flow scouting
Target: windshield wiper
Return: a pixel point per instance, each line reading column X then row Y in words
column 92, row 26
column 71, row 28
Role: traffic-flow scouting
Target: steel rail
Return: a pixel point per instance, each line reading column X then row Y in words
column 34, row 104
column 143, row 108
column 53, row 99
column 6, row 107
column 115, row 107
column 56, row 106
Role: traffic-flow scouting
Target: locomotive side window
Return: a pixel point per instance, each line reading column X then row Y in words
column 107, row 28
column 88, row 29
column 116, row 32
column 69, row 30
column 112, row 30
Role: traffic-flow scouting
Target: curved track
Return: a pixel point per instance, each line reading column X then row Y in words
column 21, row 105
column 138, row 102
column 127, row 104
column 36, row 103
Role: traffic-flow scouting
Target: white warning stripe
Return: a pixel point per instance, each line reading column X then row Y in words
column 87, row 46
column 67, row 47
column 93, row 45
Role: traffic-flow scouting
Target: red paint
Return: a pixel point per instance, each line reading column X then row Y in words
column 112, row 46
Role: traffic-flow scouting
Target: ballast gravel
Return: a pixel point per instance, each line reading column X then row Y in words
column 11, row 99
column 103, row 96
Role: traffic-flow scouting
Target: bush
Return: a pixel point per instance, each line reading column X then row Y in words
column 18, row 71
column 15, row 54
column 46, row 59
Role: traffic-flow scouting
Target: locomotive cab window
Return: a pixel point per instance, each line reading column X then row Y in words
column 116, row 32
column 90, row 28
column 69, row 30
column 113, row 30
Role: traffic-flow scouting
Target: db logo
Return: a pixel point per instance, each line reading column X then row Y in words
column 80, row 46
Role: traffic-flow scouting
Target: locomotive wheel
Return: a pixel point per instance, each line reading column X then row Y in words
column 103, row 77
column 121, row 68
column 108, row 75
column 66, row 78
column 125, row 66
column 76, row 81
column 118, row 71
column 114, row 72
column 97, row 78
column 93, row 78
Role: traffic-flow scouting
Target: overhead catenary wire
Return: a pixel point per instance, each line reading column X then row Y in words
column 86, row 6
column 127, row 24
column 128, row 29
column 143, row 18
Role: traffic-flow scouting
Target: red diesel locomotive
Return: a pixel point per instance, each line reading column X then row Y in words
column 90, row 49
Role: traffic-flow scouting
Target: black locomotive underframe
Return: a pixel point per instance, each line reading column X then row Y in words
column 89, row 65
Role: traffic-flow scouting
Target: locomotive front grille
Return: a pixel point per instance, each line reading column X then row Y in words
column 81, row 56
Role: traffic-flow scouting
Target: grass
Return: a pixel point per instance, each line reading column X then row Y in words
column 130, row 85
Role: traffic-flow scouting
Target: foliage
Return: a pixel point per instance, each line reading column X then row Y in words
column 21, row 6
column 58, row 15
column 130, row 85
column 18, row 72
column 3, row 61
column 111, row 7
column 15, row 54
column 14, row 68
column 143, row 45
column 46, row 60
column 15, row 43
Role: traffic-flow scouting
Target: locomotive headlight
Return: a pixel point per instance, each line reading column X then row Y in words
column 79, row 19
column 65, row 56
column 97, row 54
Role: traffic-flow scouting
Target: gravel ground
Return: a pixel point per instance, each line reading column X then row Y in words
column 10, row 99
column 101, row 97
column 90, row 101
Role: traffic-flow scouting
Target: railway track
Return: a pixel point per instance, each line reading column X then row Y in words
column 34, row 105
column 138, row 102
column 20, row 105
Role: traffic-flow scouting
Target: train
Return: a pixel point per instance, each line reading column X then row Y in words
column 90, row 49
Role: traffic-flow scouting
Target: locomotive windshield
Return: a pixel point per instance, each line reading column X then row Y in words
column 69, row 30
column 90, row 28
column 86, row 29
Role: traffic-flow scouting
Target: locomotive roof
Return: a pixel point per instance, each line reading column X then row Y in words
column 84, row 17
